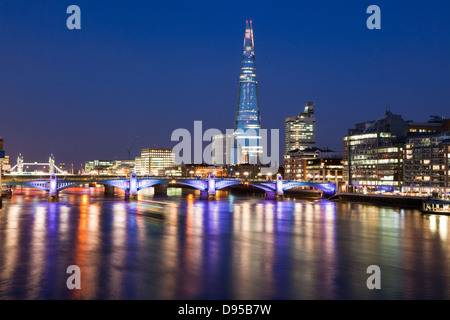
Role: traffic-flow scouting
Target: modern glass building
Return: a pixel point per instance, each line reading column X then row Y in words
column 374, row 155
column 301, row 130
column 427, row 164
column 99, row 166
column 248, row 122
column 153, row 161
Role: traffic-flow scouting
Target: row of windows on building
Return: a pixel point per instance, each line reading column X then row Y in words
column 396, row 155
column 390, row 154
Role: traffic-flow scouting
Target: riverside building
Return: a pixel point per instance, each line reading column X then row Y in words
column 427, row 164
column 153, row 161
column 314, row 165
column 373, row 152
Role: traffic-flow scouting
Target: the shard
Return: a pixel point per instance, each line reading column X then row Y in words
column 248, row 123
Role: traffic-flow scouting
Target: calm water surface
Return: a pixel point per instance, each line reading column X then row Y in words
column 234, row 247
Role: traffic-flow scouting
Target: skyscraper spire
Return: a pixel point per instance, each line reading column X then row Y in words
column 248, row 39
column 247, row 110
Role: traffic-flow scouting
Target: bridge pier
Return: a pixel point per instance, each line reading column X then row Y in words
column 53, row 197
column 205, row 195
column 109, row 190
column 210, row 192
column 160, row 189
column 130, row 196
column 132, row 192
column 270, row 195
column 53, row 189
column 278, row 194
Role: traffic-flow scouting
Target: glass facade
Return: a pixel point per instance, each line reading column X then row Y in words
column 301, row 130
column 427, row 166
column 373, row 160
column 99, row 166
column 392, row 154
column 153, row 161
column 247, row 111
column 373, row 155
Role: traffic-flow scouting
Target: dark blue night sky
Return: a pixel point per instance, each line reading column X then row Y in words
column 147, row 68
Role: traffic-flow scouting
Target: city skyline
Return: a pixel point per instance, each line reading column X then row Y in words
column 123, row 91
column 143, row 156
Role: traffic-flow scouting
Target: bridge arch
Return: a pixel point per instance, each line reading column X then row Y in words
column 325, row 187
column 196, row 184
column 222, row 184
column 262, row 187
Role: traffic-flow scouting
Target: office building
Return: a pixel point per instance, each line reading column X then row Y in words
column 373, row 155
column 153, row 161
column 98, row 166
column 374, row 152
column 427, row 164
column 301, row 130
column 4, row 159
column 122, row 167
column 435, row 124
column 313, row 165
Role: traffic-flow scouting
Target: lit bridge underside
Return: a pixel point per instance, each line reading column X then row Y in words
column 131, row 185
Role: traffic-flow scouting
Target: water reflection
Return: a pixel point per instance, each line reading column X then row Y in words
column 232, row 248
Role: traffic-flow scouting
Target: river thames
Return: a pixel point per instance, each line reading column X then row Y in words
column 234, row 247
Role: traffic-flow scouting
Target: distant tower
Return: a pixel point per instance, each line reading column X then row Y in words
column 20, row 163
column 247, row 111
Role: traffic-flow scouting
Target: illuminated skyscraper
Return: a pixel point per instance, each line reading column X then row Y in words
column 247, row 112
column 244, row 144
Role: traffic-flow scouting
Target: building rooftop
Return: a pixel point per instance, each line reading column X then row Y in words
column 420, row 135
column 320, row 152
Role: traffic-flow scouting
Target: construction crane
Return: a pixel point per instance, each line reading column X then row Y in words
column 131, row 148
